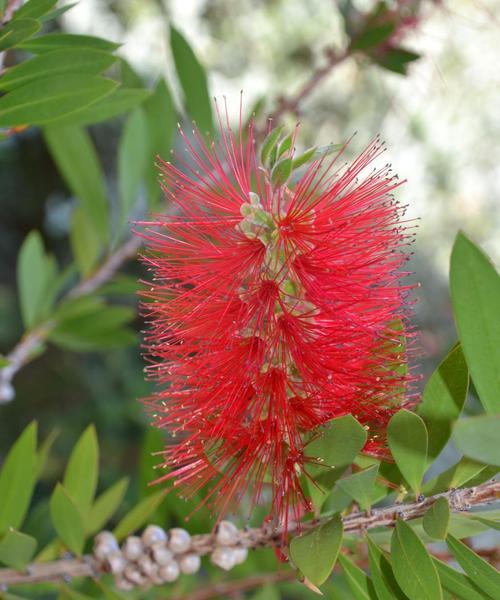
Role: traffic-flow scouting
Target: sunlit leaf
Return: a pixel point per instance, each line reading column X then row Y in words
column 106, row 505
column 16, row 549
column 34, row 9
column 457, row 583
column 360, row 486
column 443, row 399
column 138, row 515
column 193, row 80
column 384, row 582
column 82, row 470
column 15, row 32
column 17, row 480
column 67, row 519
column 475, row 294
column 56, row 41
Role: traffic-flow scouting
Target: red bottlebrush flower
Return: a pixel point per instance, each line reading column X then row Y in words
column 273, row 309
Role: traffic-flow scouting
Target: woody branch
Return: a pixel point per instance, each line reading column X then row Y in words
column 460, row 500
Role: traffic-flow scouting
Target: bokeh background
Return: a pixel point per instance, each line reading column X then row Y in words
column 441, row 123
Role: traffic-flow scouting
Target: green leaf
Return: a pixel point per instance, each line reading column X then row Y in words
column 454, row 477
column 361, row 585
column 360, row 486
column 281, row 171
column 335, row 447
column 373, row 36
column 112, row 105
column 457, row 583
column 76, row 159
column 71, row 60
column 97, row 329
column 396, row 59
column 17, row 480
column 35, row 274
column 270, row 144
column 133, row 151
column 485, row 576
column 54, row 14
column 443, row 399
column 85, row 241
column 161, row 123
column 17, row 549
column 138, row 515
column 477, row 438
column 67, row 520
column 315, row 552
column 129, row 76
column 44, row 100
column 267, row 592
column 193, row 80
column 408, row 444
column 44, row 451
column 412, row 565
column 475, row 294
column 437, row 519
column 106, row 505
column 384, row 582
column 56, row 41
column 487, row 522
column 82, row 470
column 153, row 442
column 16, row 32
column 304, row 158
column 34, row 9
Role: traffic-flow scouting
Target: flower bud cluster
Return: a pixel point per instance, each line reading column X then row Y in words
column 158, row 557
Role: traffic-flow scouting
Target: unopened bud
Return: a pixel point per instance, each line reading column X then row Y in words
column 227, row 534
column 223, row 557
column 133, row 548
column 240, row 555
column 146, row 565
column 133, row 575
column 179, row 540
column 116, row 562
column 190, row 563
column 161, row 554
column 169, row 572
column 153, row 534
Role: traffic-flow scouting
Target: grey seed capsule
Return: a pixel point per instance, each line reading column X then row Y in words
column 223, row 557
column 179, row 540
column 161, row 554
column 116, row 562
column 227, row 534
column 123, row 584
column 132, row 548
column 190, row 563
column 146, row 565
column 153, row 534
column 133, row 575
column 240, row 555
column 169, row 572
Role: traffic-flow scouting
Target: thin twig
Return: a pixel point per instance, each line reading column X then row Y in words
column 355, row 523
column 24, row 351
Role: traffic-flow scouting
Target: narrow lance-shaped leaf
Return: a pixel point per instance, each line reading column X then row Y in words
column 16, row 32
column 44, row 100
column 67, row 519
column 315, row 552
column 76, row 158
column 80, row 477
column 85, row 241
column 484, row 575
column 475, row 294
column 384, row 582
column 17, row 480
column 138, row 515
column 443, row 399
column 132, row 157
column 105, row 506
column 408, row 444
column 457, row 583
column 70, row 60
column 193, row 79
column 34, row 9
column 55, row 41
column 413, row 566
column 477, row 438
column 361, row 585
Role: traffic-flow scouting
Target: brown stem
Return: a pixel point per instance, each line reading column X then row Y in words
column 355, row 523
